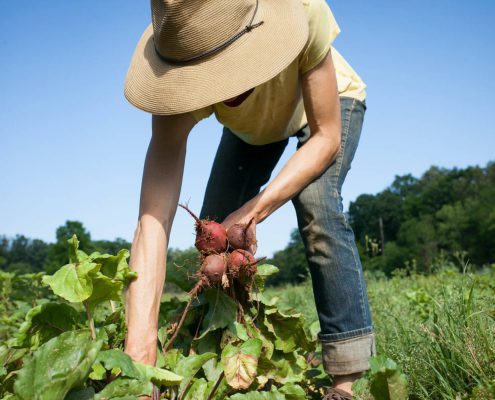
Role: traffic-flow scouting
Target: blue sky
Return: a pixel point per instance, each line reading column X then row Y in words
column 71, row 147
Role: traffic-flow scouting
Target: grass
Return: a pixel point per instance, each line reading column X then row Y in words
column 439, row 328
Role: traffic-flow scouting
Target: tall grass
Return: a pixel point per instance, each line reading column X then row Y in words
column 439, row 328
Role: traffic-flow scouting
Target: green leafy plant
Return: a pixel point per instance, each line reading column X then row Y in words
column 70, row 346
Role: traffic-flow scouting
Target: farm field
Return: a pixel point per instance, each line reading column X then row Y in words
column 435, row 337
column 439, row 329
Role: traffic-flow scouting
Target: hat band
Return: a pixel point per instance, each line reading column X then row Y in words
column 248, row 28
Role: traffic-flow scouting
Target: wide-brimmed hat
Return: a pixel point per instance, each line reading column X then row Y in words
column 201, row 52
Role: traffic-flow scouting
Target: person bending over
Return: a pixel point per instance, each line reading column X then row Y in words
column 268, row 71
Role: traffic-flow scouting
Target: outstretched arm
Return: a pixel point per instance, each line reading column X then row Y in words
column 162, row 180
column 322, row 106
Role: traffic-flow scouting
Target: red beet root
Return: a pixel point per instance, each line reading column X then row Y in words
column 240, row 236
column 212, row 270
column 213, row 267
column 241, row 263
column 211, row 237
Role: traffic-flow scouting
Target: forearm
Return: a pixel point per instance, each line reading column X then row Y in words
column 309, row 162
column 143, row 295
column 160, row 191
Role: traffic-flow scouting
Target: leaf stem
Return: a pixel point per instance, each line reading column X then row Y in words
column 192, row 295
column 217, row 384
column 185, row 207
column 90, row 319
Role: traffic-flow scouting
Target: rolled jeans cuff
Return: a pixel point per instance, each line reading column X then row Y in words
column 347, row 356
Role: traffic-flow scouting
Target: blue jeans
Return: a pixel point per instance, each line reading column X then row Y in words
column 240, row 170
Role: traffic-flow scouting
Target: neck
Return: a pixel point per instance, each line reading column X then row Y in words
column 235, row 101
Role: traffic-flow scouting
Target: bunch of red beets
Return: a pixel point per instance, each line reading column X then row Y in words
column 225, row 253
column 226, row 262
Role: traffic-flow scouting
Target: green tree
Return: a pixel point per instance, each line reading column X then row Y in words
column 111, row 246
column 22, row 254
column 57, row 253
column 182, row 269
column 366, row 211
column 291, row 262
column 446, row 211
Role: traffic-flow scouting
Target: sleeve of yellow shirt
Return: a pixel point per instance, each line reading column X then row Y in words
column 323, row 29
column 202, row 113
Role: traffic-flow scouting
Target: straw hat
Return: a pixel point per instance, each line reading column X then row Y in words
column 201, row 52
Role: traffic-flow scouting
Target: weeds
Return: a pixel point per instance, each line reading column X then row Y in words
column 440, row 329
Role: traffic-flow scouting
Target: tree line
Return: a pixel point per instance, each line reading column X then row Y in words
column 23, row 255
column 414, row 224
column 447, row 216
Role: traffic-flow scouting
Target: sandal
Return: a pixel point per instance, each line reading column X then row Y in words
column 337, row 394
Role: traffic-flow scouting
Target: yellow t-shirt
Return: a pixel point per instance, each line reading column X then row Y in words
column 275, row 109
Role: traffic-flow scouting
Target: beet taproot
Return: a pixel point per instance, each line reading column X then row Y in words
column 213, row 267
column 211, row 237
column 241, row 263
column 241, row 237
column 212, row 272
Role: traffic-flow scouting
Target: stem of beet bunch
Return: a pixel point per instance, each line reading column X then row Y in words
column 192, row 295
